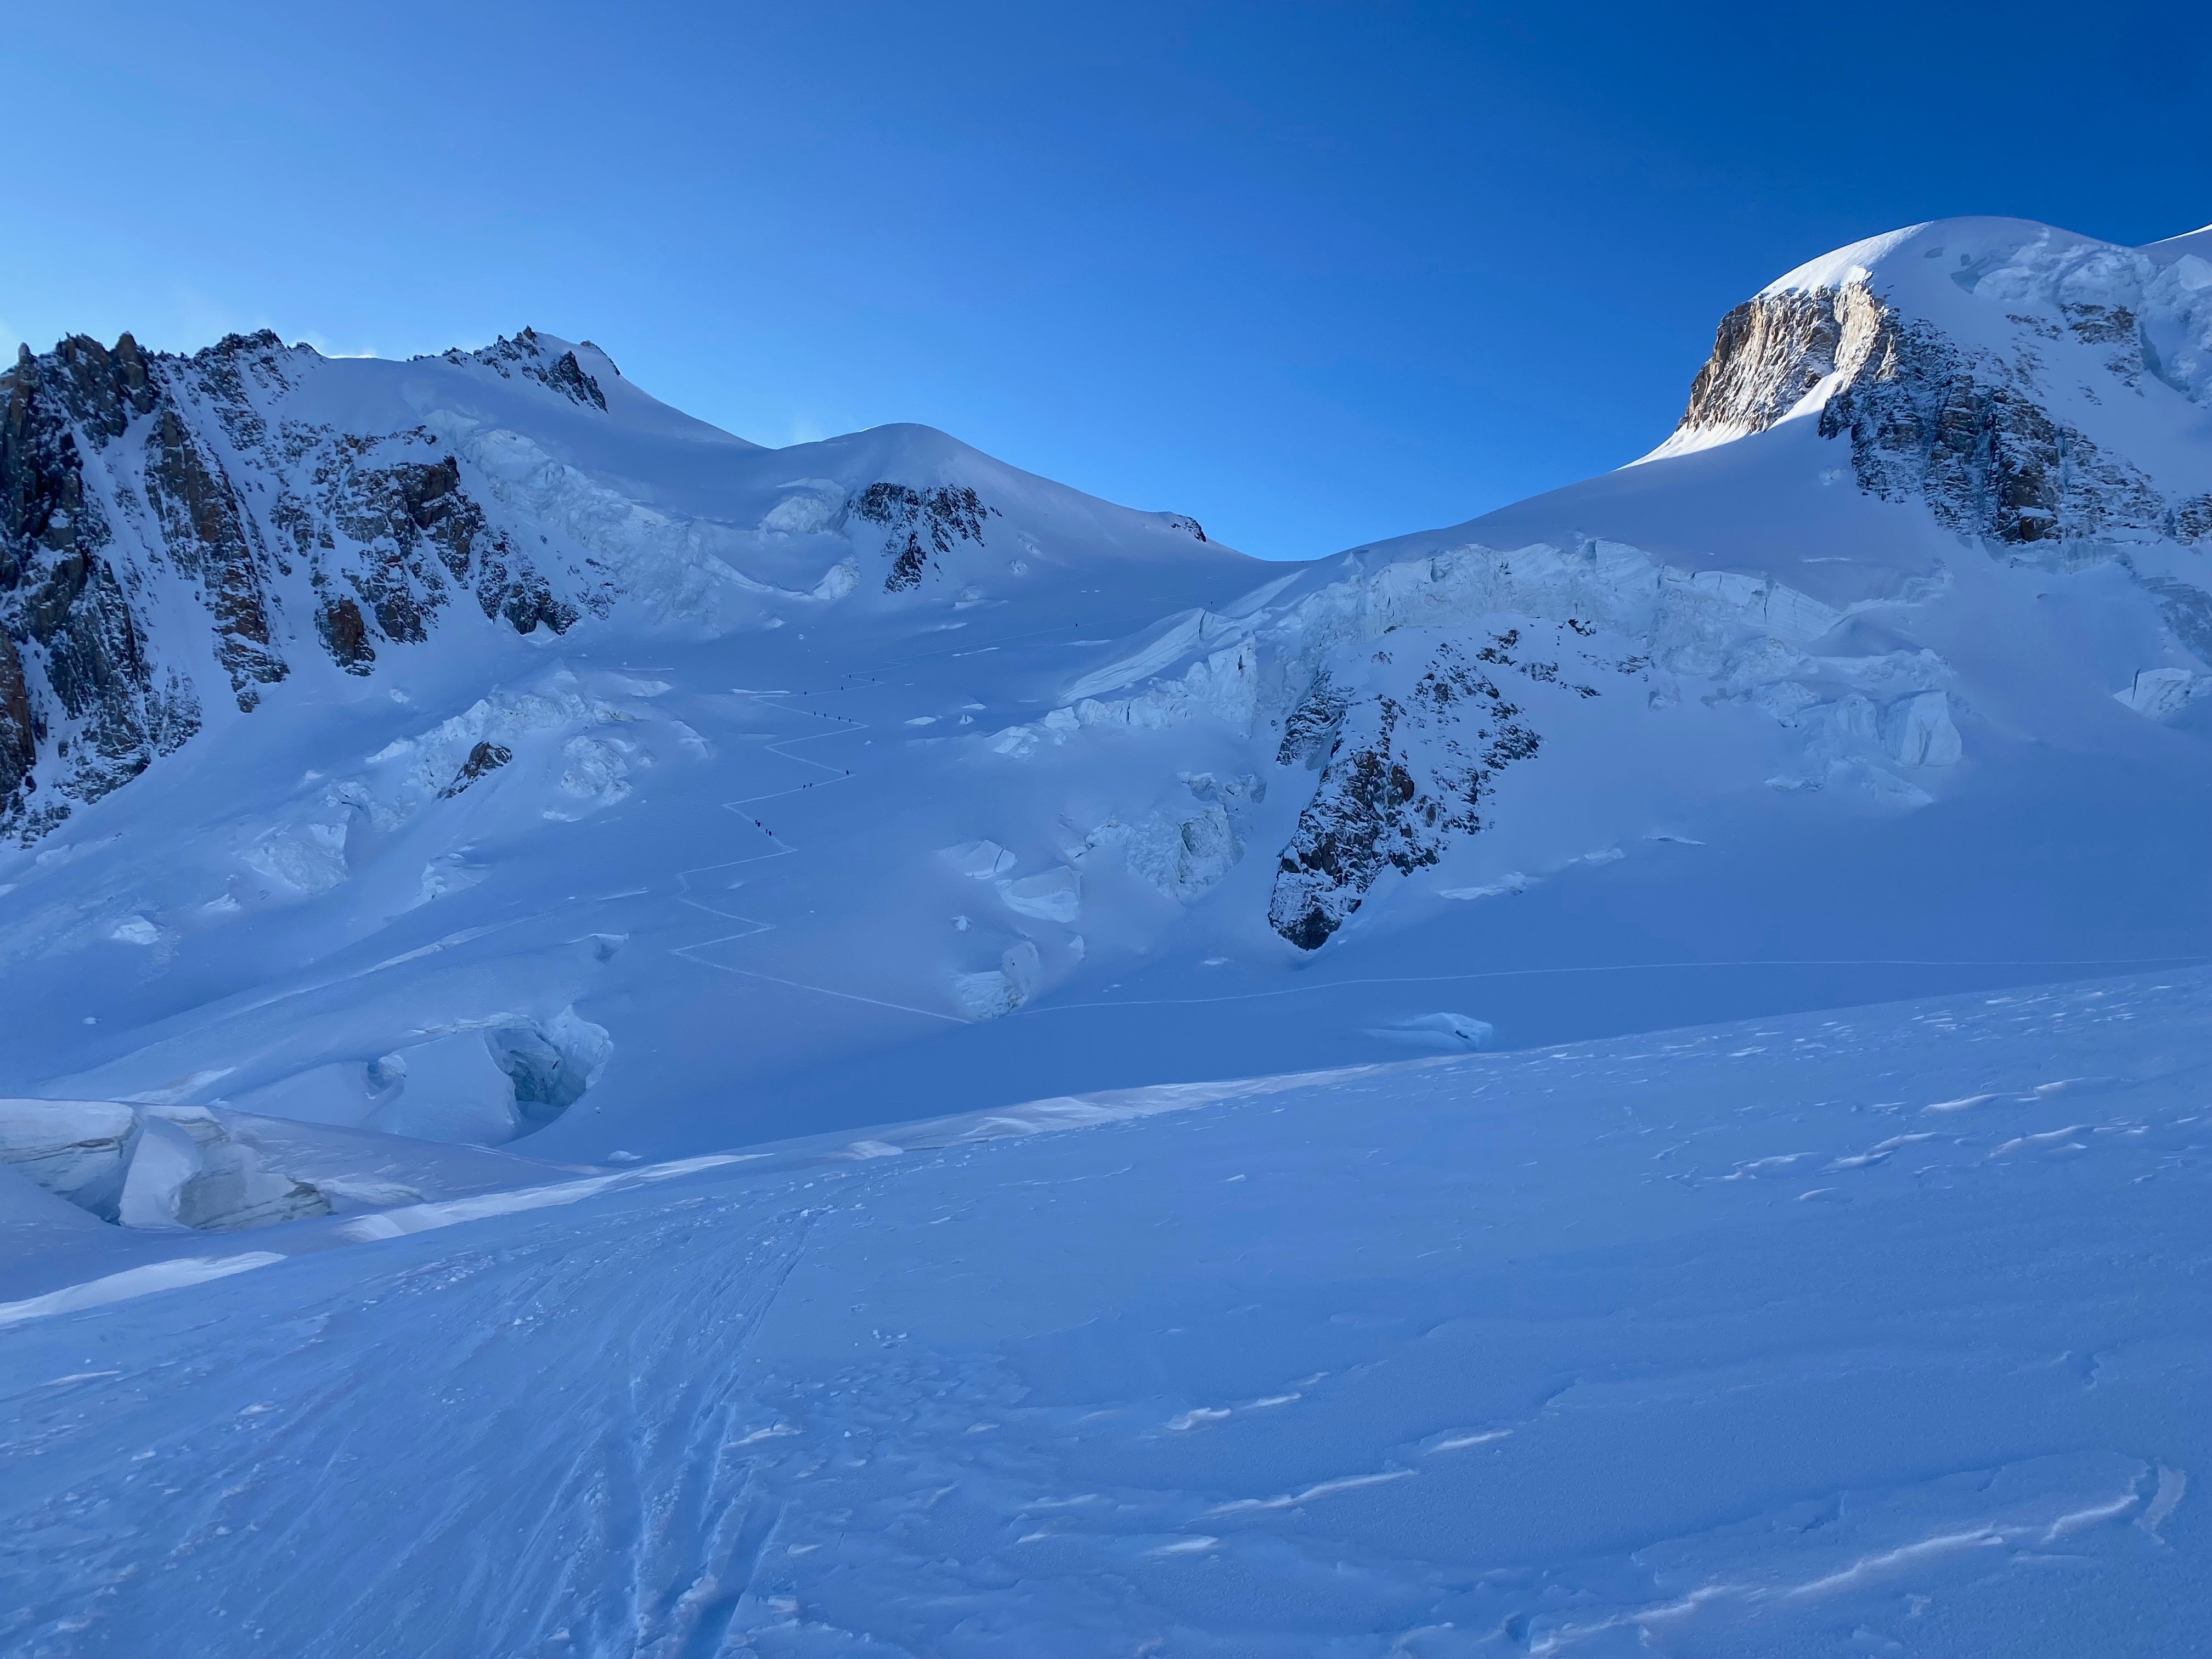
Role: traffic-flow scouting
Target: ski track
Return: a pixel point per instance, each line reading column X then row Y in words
column 617, row 1443
column 1582, row 1379
column 755, row 925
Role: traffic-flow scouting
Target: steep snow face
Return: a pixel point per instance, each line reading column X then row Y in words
column 2032, row 386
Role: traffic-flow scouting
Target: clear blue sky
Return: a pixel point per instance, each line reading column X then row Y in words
column 1316, row 274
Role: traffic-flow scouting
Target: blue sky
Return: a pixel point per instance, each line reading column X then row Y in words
column 1316, row 274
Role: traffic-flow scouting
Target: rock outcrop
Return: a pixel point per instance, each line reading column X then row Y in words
column 1996, row 418
column 529, row 355
column 1400, row 778
column 946, row 516
column 1967, row 433
column 80, row 697
column 1768, row 354
column 136, row 486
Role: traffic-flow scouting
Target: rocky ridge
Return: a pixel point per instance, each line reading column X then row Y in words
column 1985, row 412
column 180, row 535
column 161, row 517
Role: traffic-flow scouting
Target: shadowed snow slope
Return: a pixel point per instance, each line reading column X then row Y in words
column 1877, row 1332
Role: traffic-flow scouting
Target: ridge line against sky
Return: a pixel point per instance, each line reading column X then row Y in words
column 1316, row 275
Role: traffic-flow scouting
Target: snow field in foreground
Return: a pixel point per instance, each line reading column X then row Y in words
column 1883, row 1332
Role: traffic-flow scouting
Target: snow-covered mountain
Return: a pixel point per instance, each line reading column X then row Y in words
column 474, row 749
column 185, row 533
column 846, row 1050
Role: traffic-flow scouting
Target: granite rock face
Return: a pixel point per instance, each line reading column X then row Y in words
column 1402, row 776
column 918, row 523
column 2012, row 423
column 529, row 355
column 173, row 538
column 1967, row 433
column 80, row 698
column 1768, row 354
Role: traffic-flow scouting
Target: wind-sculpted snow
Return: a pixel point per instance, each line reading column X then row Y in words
column 1795, row 1336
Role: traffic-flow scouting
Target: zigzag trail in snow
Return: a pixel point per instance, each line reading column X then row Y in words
column 755, row 925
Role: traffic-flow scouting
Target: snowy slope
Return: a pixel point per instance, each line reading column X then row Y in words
column 773, row 791
column 529, row 923
column 1882, row 1333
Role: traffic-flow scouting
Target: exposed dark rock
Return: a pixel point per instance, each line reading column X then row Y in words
column 566, row 375
column 103, row 389
column 1967, row 433
column 946, row 515
column 19, row 738
column 76, row 671
column 403, row 534
column 1402, row 778
column 122, row 715
column 527, row 355
column 1362, row 821
column 1310, row 728
column 2193, row 520
column 1968, row 437
column 43, row 505
column 507, row 585
column 220, row 375
column 404, row 510
column 345, row 635
column 208, row 535
column 485, row 757
column 2114, row 325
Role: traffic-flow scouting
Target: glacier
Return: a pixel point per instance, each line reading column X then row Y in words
column 622, row 1042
